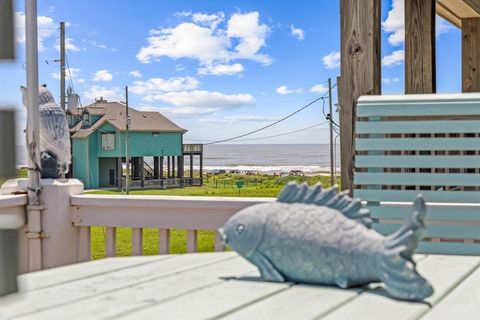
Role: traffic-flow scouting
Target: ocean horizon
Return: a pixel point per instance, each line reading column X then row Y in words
column 265, row 158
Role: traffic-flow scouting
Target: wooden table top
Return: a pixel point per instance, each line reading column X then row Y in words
column 225, row 286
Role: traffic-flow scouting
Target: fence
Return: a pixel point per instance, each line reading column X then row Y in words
column 162, row 212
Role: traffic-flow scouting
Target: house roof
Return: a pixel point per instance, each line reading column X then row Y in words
column 114, row 114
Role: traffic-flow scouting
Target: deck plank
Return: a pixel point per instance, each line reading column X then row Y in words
column 56, row 276
column 462, row 303
column 299, row 302
column 136, row 297
column 31, row 302
column 444, row 272
column 211, row 302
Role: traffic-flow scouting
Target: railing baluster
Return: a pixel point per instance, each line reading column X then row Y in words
column 192, row 241
column 111, row 243
column 84, row 253
column 218, row 242
column 163, row 241
column 137, row 241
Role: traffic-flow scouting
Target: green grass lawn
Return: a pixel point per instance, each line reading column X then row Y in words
column 221, row 186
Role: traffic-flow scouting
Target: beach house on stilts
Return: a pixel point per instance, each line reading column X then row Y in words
column 155, row 148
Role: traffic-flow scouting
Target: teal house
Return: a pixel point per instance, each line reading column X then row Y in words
column 155, row 148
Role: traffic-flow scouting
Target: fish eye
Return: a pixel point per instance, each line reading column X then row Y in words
column 239, row 229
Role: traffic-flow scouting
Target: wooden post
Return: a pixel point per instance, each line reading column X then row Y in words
column 201, row 169
column 161, row 167
column 173, row 167
column 141, row 170
column 155, row 167
column 180, row 166
column 7, row 38
column 8, row 234
column 168, row 167
column 62, row 65
column 420, row 76
column 191, row 165
column 360, row 71
column 471, row 55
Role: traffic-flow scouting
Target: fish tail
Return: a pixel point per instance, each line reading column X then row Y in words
column 399, row 271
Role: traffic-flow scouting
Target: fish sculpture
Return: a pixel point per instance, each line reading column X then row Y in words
column 55, row 146
column 322, row 236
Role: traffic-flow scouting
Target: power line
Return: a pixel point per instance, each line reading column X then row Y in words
column 286, row 133
column 271, row 136
column 269, row 125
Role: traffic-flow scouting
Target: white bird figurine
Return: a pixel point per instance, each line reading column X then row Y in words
column 54, row 135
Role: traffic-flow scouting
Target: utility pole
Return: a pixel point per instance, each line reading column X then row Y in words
column 62, row 65
column 330, row 119
column 127, row 124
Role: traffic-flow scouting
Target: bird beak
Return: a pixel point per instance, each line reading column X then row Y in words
column 223, row 235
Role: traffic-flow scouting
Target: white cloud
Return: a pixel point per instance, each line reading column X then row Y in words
column 285, row 90
column 182, row 14
column 297, row 32
column 221, row 69
column 319, row 88
column 389, row 81
column 81, row 80
column 251, row 35
column 331, row 60
column 236, row 119
column 102, row 75
column 69, row 73
column 208, row 20
column 47, row 28
column 395, row 24
column 153, row 87
column 97, row 92
column 135, row 74
column 394, row 59
column 69, row 46
column 179, row 67
column 101, row 46
column 209, row 44
column 199, row 102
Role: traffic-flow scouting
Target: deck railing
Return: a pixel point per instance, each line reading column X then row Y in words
column 162, row 212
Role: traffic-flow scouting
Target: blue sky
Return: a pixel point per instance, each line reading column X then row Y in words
column 216, row 68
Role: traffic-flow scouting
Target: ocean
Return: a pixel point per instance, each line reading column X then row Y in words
column 265, row 158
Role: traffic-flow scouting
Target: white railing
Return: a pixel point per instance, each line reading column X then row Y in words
column 12, row 211
column 162, row 212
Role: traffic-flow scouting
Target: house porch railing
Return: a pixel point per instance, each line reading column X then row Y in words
column 162, row 212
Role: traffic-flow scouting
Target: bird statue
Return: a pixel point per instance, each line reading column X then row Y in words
column 54, row 135
column 321, row 236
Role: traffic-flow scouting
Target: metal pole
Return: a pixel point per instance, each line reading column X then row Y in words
column 62, row 65
column 127, row 158
column 330, row 115
column 33, row 138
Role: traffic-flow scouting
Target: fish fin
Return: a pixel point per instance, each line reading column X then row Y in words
column 342, row 282
column 332, row 198
column 266, row 268
column 399, row 271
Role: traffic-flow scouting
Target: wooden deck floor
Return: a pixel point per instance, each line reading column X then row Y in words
column 224, row 286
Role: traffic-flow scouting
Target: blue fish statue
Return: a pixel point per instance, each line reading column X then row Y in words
column 322, row 236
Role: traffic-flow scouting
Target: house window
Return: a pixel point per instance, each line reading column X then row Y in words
column 108, row 141
column 155, row 134
column 70, row 119
column 86, row 118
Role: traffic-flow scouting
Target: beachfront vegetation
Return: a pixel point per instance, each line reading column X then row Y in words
column 220, row 185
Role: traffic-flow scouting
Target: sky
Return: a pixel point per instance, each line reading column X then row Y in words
column 216, row 68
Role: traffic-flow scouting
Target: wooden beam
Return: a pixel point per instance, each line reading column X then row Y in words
column 360, row 71
column 471, row 55
column 420, row 76
column 7, row 47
